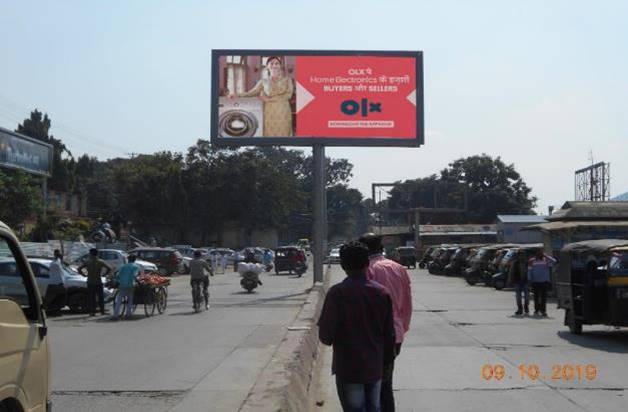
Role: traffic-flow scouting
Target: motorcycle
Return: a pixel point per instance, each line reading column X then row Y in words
column 250, row 275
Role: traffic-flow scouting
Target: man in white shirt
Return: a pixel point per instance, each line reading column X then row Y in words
column 56, row 291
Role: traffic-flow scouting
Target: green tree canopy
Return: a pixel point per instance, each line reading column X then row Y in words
column 37, row 126
column 21, row 197
column 492, row 187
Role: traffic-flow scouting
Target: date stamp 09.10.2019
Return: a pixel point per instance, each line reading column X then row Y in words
column 567, row 372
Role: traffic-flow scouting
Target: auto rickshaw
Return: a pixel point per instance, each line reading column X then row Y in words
column 459, row 261
column 427, row 256
column 592, row 283
column 478, row 270
column 406, row 256
column 442, row 259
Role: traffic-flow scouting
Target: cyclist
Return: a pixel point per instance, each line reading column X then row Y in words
column 199, row 270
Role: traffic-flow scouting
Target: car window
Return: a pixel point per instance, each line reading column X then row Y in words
column 40, row 271
column 108, row 255
column 150, row 254
column 12, row 281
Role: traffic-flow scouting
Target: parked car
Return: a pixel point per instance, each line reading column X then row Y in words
column 24, row 348
column 219, row 252
column 76, row 287
column 290, row 259
column 116, row 258
column 168, row 260
column 334, row 256
column 187, row 255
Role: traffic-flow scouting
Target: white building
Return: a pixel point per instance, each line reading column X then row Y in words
column 509, row 228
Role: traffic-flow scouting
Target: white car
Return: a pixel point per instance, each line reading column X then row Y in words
column 334, row 256
column 76, row 284
column 116, row 258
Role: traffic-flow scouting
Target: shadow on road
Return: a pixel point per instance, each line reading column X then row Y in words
column 615, row 341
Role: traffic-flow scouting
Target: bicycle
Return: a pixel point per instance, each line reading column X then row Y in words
column 197, row 294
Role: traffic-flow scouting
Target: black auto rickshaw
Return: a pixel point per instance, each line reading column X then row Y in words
column 592, row 283
column 427, row 256
column 406, row 256
column 458, row 262
column 478, row 270
column 441, row 259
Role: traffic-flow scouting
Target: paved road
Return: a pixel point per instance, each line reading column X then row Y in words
column 179, row 360
column 456, row 329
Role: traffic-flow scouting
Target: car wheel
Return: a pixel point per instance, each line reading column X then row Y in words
column 77, row 302
column 499, row 284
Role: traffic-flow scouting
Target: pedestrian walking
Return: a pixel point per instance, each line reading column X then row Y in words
column 395, row 278
column 223, row 263
column 126, row 277
column 214, row 262
column 357, row 320
column 94, row 267
column 539, row 276
column 522, row 291
column 56, row 291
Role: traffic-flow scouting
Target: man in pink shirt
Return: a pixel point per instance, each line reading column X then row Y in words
column 396, row 280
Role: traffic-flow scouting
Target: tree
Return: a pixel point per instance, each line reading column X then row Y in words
column 37, row 126
column 493, row 187
column 347, row 216
column 21, row 197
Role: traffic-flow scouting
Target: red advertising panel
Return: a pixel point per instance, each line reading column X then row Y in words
column 298, row 98
column 356, row 96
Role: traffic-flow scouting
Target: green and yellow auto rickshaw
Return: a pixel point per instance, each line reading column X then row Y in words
column 592, row 283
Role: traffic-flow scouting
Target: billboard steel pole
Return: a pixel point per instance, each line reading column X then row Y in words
column 320, row 211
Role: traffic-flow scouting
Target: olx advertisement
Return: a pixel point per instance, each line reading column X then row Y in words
column 307, row 97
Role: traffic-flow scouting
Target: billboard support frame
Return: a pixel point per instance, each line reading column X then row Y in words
column 319, row 228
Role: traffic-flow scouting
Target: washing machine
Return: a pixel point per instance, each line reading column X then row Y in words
column 240, row 117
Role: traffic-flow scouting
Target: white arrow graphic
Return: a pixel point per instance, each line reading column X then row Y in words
column 412, row 97
column 304, row 97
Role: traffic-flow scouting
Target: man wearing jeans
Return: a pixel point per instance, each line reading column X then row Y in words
column 520, row 280
column 539, row 275
column 395, row 278
column 357, row 319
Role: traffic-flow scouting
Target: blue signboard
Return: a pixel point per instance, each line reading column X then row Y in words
column 22, row 152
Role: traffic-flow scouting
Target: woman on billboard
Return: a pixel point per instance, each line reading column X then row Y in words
column 275, row 91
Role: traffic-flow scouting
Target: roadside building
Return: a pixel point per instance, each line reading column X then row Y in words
column 577, row 221
column 509, row 228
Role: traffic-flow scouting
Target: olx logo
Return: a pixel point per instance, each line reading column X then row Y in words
column 351, row 107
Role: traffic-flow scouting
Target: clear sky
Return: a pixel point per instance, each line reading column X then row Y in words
column 539, row 83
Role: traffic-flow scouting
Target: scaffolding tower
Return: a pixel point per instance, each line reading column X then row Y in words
column 593, row 183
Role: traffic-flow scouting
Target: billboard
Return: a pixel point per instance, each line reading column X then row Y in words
column 22, row 152
column 301, row 98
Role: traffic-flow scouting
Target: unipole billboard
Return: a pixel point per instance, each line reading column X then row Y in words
column 25, row 153
column 305, row 98
column 317, row 98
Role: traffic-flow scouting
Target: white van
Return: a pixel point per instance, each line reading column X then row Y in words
column 24, row 351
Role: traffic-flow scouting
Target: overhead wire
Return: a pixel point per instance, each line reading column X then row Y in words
column 11, row 109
